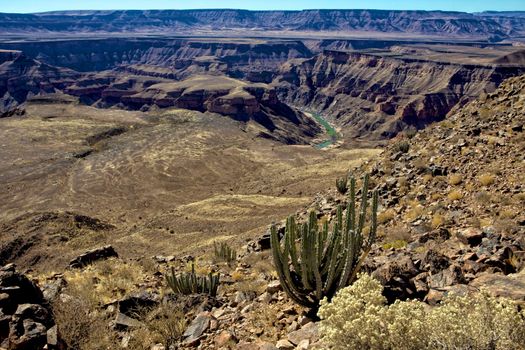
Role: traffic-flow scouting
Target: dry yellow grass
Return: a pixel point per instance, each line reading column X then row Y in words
column 455, row 179
column 437, row 220
column 104, row 281
column 414, row 213
column 427, row 178
column 487, row 179
column 454, row 195
column 386, row 216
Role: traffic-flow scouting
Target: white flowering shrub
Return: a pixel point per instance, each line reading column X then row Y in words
column 358, row 318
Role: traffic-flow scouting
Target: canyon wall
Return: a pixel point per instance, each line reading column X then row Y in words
column 379, row 95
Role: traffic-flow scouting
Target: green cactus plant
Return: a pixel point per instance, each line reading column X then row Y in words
column 313, row 263
column 341, row 183
column 190, row 283
column 224, row 252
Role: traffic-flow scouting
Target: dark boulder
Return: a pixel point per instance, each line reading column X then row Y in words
column 93, row 255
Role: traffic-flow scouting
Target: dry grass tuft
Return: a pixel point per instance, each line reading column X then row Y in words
column 454, row 195
column 487, row 179
column 455, row 179
column 82, row 327
column 438, row 220
column 104, row 281
column 386, row 216
column 163, row 325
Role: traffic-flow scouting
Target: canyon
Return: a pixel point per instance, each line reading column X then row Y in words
column 134, row 143
column 369, row 89
column 197, row 122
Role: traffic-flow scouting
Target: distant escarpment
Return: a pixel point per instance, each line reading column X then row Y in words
column 22, row 77
column 239, row 100
column 438, row 23
column 379, row 95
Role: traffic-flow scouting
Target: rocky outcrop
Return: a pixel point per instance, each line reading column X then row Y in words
column 380, row 95
column 92, row 256
column 26, row 320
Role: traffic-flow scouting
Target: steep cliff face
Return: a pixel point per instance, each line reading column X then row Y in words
column 22, row 77
column 181, row 21
column 237, row 57
column 378, row 96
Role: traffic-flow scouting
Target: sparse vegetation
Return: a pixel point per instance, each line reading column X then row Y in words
column 397, row 244
column 437, row 221
column 160, row 325
column 81, row 326
column 324, row 262
column 386, row 216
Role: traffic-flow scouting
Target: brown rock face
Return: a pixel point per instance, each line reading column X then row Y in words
column 22, row 77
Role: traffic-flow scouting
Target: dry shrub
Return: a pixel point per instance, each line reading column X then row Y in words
column 82, row 327
column 104, row 281
column 437, row 221
column 421, row 164
column 482, row 197
column 507, row 214
column 397, row 244
column 358, row 318
column 506, row 226
column 455, row 179
column 162, row 325
column 427, row 178
column 414, row 213
column 251, row 286
column 454, row 195
column 520, row 197
column 262, row 262
column 436, row 196
column 487, row 179
column 397, row 233
column 237, row 276
column 402, row 146
column 386, row 216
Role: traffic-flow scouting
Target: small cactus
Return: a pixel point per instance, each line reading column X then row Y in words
column 190, row 283
column 224, row 252
column 313, row 263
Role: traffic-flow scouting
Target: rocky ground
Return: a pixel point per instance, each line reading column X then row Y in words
column 451, row 219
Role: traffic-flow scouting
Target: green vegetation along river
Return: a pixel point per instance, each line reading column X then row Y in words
column 332, row 134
